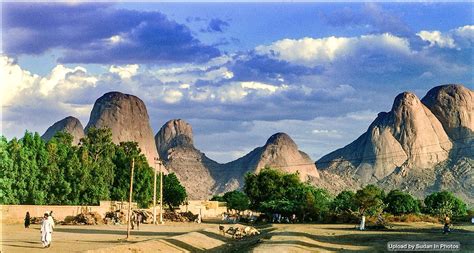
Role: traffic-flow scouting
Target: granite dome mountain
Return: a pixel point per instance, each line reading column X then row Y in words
column 70, row 125
column 126, row 115
column 419, row 145
column 204, row 177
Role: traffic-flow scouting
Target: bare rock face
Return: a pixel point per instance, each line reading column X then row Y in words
column 175, row 133
column 127, row 117
column 419, row 146
column 174, row 142
column 407, row 137
column 280, row 152
column 69, row 124
column 453, row 105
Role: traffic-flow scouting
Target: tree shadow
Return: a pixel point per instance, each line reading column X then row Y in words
column 183, row 245
column 116, row 232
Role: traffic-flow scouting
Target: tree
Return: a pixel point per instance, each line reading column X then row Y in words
column 237, row 200
column 369, row 200
column 143, row 175
column 59, row 148
column 444, row 202
column 7, row 175
column 217, row 198
column 96, row 153
column 344, row 203
column 269, row 185
column 174, row 194
column 399, row 202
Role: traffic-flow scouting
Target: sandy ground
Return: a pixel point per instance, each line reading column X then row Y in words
column 192, row 237
column 343, row 237
column 15, row 238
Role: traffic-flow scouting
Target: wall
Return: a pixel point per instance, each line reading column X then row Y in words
column 207, row 208
column 16, row 213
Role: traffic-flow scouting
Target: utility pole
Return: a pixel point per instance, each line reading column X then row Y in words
column 130, row 198
column 161, row 193
column 154, row 193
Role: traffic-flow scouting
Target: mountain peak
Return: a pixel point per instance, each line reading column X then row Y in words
column 405, row 99
column 280, row 139
column 126, row 115
column 453, row 105
column 69, row 124
column 174, row 133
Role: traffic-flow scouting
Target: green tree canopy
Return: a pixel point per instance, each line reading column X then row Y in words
column 344, row 202
column 398, row 202
column 237, row 200
column 444, row 202
column 369, row 200
column 174, row 194
column 96, row 153
column 143, row 175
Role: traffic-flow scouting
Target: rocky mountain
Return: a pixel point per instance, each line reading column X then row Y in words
column 127, row 117
column 203, row 177
column 453, row 105
column 415, row 146
column 69, row 124
column 279, row 152
column 175, row 146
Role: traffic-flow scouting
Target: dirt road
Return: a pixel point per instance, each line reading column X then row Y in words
column 192, row 237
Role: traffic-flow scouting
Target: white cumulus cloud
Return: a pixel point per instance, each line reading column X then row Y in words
column 125, row 72
column 435, row 38
column 314, row 51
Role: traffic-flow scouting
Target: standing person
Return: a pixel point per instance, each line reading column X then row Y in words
column 27, row 220
column 447, row 222
column 139, row 219
column 51, row 219
column 132, row 220
column 362, row 223
column 46, row 231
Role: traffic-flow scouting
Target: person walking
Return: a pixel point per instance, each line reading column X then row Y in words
column 27, row 220
column 46, row 231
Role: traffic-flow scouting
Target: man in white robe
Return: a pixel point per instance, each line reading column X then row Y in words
column 46, row 231
column 51, row 219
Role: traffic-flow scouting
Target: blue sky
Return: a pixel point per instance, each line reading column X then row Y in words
column 238, row 72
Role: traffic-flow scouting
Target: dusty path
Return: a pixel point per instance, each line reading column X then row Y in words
column 15, row 238
column 343, row 237
column 192, row 237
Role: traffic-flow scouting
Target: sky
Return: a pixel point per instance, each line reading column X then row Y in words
column 237, row 72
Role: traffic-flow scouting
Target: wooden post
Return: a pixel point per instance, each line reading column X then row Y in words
column 161, row 194
column 130, row 199
column 154, row 194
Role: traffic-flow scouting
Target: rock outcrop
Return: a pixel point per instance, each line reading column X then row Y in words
column 453, row 105
column 69, row 124
column 407, row 137
column 175, row 145
column 280, row 152
column 127, row 117
column 419, row 146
